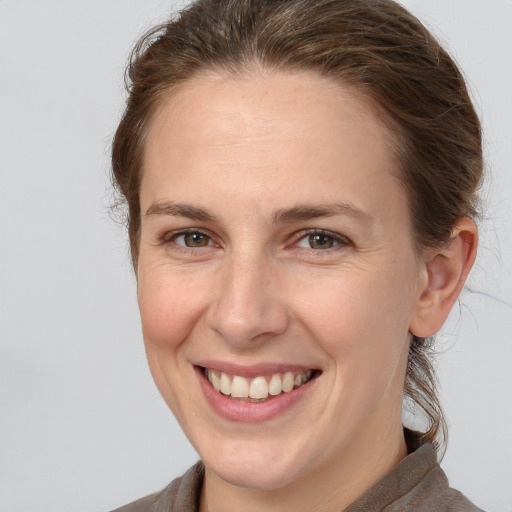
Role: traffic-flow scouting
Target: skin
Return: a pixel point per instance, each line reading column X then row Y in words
column 256, row 291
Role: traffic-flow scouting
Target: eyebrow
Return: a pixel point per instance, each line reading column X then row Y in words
column 180, row 210
column 283, row 216
column 305, row 212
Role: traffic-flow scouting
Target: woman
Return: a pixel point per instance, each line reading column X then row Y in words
column 301, row 181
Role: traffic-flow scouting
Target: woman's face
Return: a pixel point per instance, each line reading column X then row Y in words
column 276, row 257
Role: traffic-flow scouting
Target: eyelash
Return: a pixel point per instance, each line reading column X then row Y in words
column 337, row 240
column 171, row 237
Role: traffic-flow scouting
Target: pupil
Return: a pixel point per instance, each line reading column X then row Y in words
column 195, row 240
column 320, row 241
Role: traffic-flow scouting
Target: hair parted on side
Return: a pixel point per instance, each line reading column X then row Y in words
column 373, row 46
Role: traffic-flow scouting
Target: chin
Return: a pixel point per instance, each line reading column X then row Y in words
column 252, row 478
column 254, row 471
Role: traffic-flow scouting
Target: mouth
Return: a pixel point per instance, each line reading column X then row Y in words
column 257, row 389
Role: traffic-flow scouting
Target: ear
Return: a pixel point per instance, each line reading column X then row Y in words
column 446, row 270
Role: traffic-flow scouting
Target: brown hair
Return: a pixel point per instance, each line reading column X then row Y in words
column 374, row 46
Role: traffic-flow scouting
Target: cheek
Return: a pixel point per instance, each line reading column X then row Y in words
column 169, row 307
column 361, row 319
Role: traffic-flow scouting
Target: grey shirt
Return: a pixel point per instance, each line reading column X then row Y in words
column 416, row 484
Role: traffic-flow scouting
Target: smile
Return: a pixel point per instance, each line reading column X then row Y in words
column 256, row 393
column 258, row 388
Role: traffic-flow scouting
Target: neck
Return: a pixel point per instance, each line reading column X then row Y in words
column 328, row 489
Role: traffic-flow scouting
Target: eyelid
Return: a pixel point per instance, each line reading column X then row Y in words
column 339, row 239
column 171, row 236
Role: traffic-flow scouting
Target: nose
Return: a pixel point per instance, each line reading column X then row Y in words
column 248, row 307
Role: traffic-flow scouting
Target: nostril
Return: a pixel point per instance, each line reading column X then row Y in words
column 248, row 326
column 247, row 309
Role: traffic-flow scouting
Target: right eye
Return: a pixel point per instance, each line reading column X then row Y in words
column 192, row 239
column 318, row 241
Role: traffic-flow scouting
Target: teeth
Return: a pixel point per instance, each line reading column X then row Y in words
column 274, row 386
column 257, row 388
column 239, row 387
column 225, row 384
column 288, row 382
column 215, row 380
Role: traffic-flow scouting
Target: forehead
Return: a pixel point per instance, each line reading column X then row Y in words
column 264, row 101
column 266, row 131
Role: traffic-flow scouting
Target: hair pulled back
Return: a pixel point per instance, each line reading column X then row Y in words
column 373, row 46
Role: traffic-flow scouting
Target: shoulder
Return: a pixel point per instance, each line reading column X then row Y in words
column 429, row 488
column 455, row 501
column 433, row 492
column 417, row 484
column 146, row 504
column 181, row 495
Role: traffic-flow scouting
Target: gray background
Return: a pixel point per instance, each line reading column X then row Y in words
column 82, row 427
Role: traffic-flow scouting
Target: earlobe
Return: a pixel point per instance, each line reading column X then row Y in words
column 446, row 270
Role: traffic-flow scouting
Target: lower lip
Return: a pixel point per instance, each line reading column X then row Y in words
column 250, row 412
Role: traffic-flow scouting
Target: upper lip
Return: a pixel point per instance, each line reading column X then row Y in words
column 253, row 370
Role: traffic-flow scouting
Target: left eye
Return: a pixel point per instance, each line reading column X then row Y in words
column 319, row 241
column 193, row 239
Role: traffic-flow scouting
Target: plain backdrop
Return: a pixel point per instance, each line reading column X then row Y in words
column 82, row 427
